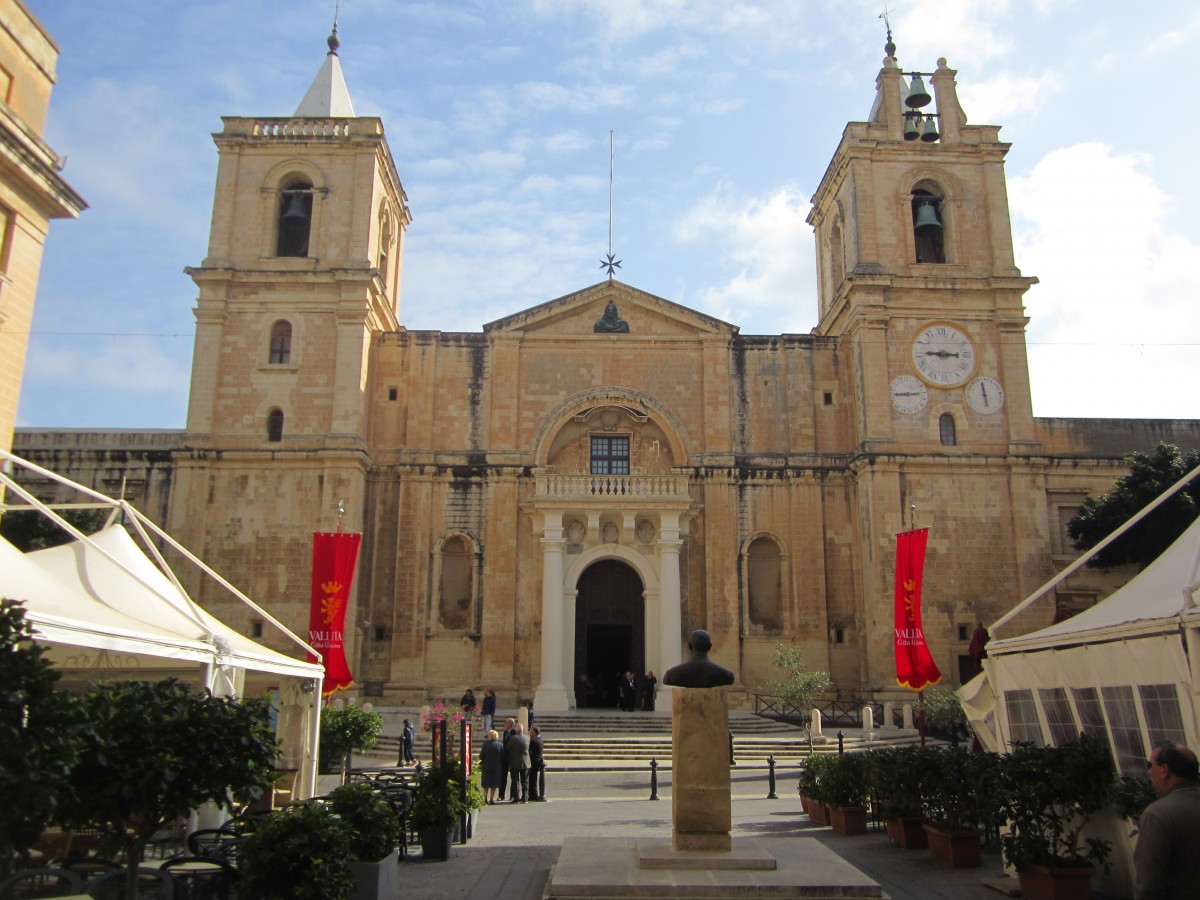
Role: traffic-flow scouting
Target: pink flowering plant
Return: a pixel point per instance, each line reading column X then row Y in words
column 437, row 713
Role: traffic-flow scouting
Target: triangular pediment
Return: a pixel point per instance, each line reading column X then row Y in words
column 643, row 313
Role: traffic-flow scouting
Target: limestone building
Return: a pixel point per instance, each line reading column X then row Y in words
column 570, row 492
column 32, row 190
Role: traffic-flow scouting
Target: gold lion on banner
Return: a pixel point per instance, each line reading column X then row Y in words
column 331, row 605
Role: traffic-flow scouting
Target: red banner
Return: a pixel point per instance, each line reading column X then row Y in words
column 334, row 558
column 914, row 666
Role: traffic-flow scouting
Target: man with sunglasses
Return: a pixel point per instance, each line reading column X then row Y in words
column 1166, row 857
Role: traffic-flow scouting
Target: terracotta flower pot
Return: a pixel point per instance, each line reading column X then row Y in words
column 1055, row 883
column 848, row 819
column 818, row 812
column 958, row 848
column 908, row 833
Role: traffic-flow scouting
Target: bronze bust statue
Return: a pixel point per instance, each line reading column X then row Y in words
column 610, row 322
column 699, row 671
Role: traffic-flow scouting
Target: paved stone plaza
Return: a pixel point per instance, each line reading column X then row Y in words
column 515, row 845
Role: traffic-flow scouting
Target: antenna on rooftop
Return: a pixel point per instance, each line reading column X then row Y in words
column 609, row 263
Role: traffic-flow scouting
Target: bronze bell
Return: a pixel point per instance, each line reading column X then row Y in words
column 929, row 133
column 926, row 217
column 911, row 129
column 295, row 208
column 917, row 95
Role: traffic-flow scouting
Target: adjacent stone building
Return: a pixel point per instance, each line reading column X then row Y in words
column 32, row 190
column 570, row 492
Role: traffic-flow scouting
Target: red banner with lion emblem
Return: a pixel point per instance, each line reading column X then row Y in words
column 335, row 555
column 914, row 666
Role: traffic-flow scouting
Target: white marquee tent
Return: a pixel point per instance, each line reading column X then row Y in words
column 1126, row 670
column 105, row 609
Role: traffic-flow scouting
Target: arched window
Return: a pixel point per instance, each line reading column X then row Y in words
column 275, row 426
column 456, row 587
column 295, row 219
column 927, row 227
column 281, row 343
column 385, row 243
column 948, row 430
column 765, row 584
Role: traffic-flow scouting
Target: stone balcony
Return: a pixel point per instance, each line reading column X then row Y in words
column 643, row 491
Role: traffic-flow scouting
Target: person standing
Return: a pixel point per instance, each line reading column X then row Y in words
column 517, row 751
column 628, row 692
column 509, row 724
column 1165, row 858
column 488, row 709
column 648, row 688
column 407, row 738
column 537, row 765
column 492, row 764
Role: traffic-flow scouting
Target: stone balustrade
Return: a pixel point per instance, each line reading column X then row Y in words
column 303, row 128
column 626, row 487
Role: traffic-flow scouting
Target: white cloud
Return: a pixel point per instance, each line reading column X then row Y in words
column 956, row 29
column 1114, row 324
column 769, row 243
column 1002, row 96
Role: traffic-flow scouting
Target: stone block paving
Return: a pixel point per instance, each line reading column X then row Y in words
column 515, row 845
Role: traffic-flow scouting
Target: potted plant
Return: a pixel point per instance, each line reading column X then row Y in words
column 846, row 790
column 1050, row 795
column 814, row 785
column 961, row 796
column 897, row 777
column 375, row 835
column 944, row 712
column 300, row 853
column 343, row 730
column 441, row 783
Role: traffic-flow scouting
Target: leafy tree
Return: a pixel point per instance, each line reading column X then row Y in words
column 798, row 687
column 944, row 711
column 157, row 751
column 30, row 529
column 1149, row 475
column 345, row 729
column 40, row 733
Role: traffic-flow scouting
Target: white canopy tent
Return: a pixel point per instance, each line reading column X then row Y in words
column 106, row 609
column 1126, row 670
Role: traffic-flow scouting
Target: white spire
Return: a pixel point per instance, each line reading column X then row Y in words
column 327, row 97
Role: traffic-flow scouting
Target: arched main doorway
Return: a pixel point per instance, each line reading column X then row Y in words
column 610, row 631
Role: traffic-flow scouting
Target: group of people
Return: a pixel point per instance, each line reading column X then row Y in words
column 514, row 764
column 631, row 690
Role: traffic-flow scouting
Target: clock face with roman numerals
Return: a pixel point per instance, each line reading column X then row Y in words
column 943, row 355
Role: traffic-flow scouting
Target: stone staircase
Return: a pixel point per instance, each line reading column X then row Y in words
column 607, row 740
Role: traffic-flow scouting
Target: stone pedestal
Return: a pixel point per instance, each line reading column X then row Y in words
column 701, row 811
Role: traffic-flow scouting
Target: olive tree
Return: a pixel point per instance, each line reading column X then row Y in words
column 156, row 751
column 797, row 687
column 40, row 733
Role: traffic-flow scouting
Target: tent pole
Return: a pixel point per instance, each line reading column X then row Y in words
column 1082, row 560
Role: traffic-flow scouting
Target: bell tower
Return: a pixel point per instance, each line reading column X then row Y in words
column 303, row 270
column 916, row 276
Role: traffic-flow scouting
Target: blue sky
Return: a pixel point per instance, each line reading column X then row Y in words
column 725, row 115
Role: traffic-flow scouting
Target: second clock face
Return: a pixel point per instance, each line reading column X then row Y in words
column 985, row 395
column 908, row 394
column 943, row 355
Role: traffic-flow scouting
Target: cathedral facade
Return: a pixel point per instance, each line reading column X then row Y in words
column 571, row 491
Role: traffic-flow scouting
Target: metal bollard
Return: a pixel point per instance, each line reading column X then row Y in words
column 841, row 742
column 771, row 778
column 653, row 779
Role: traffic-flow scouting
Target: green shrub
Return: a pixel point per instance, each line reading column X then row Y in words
column 374, row 827
column 298, row 854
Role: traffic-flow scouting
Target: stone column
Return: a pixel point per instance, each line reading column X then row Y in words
column 670, row 603
column 700, row 785
column 551, row 694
